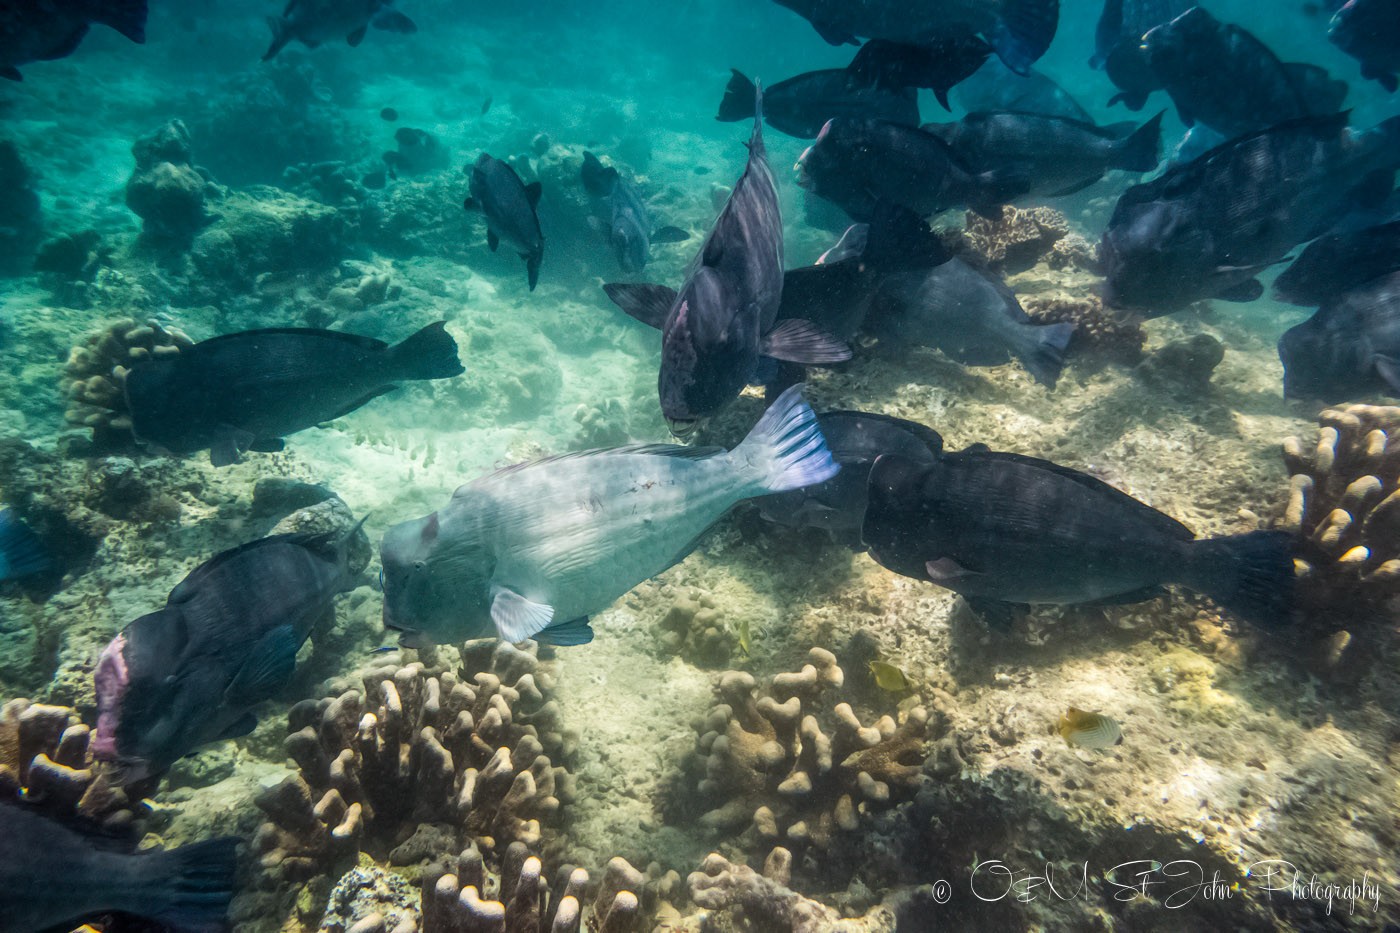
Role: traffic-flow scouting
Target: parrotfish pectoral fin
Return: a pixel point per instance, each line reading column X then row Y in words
column 798, row 341
column 356, row 37
column 1388, row 368
column 946, row 571
column 394, row 21
column 516, row 617
column 642, row 301
column 532, row 269
column 240, row 727
column 269, row 666
column 567, row 634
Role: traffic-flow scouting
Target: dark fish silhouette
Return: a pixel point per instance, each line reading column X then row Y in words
column 1208, row 227
column 1335, row 264
column 1118, row 45
column 801, row 105
column 938, row 65
column 1369, row 31
column 1000, row 529
column 22, row 554
column 855, row 439
column 1349, row 349
column 42, row 30
column 856, row 164
column 724, row 317
column 53, row 876
column 509, row 206
column 247, row 391
column 994, row 87
column 227, row 639
column 1019, row 30
column 312, row 22
column 627, row 223
column 1056, row 155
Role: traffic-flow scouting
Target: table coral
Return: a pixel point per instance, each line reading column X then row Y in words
column 795, row 766
column 94, row 377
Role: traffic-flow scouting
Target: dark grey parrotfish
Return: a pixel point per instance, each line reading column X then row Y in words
column 192, row 672
column 1001, row 529
column 22, row 554
column 1349, row 349
column 1019, row 30
column 857, row 164
column 968, row 314
column 939, row 64
column 510, row 208
column 1206, row 228
column 1339, row 262
column 994, row 87
column 627, row 222
column 44, row 30
column 53, row 876
column 801, row 105
column 247, row 391
column 312, row 22
column 724, row 317
column 1369, row 31
column 1118, row 45
column 855, row 439
column 1056, row 155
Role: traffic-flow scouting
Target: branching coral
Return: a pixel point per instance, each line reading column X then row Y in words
column 419, row 751
column 1344, row 500
column 1019, row 240
column 769, row 762
column 94, row 378
column 1098, row 332
column 764, row 902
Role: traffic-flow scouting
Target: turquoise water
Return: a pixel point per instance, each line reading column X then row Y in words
column 1255, row 786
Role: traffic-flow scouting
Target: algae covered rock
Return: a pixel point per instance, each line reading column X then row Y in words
column 165, row 190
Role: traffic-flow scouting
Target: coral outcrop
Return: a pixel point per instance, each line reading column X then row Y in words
column 1098, row 332
column 1183, row 365
column 417, row 760
column 94, row 377
column 763, row 901
column 21, row 219
column 165, row 190
column 1019, row 240
column 694, row 628
column 795, row 766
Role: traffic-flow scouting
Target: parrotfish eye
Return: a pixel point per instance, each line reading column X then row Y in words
column 420, row 566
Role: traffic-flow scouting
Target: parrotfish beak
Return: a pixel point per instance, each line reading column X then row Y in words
column 803, row 179
column 683, row 427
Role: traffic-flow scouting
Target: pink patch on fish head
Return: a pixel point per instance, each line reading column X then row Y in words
column 110, row 681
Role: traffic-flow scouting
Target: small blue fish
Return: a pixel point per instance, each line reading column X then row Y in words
column 22, row 554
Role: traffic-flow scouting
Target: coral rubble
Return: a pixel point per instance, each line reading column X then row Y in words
column 763, row 901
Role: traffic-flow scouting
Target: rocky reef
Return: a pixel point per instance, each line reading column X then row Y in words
column 165, row 189
column 21, row 219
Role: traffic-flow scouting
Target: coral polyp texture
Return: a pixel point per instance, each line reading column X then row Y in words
column 797, row 767
column 1019, row 240
column 94, row 378
column 1344, row 501
column 419, row 758
column 45, row 760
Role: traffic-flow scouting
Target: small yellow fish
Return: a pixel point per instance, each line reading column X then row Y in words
column 888, row 677
column 743, row 633
column 1089, row 730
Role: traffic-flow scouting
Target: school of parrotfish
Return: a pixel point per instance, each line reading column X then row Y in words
column 534, row 550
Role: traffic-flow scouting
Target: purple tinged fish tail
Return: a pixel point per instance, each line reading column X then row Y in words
column 785, row 450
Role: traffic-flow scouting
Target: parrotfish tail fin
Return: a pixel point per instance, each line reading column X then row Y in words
column 738, row 102
column 1251, row 575
column 22, row 554
column 1024, row 31
column 281, row 35
column 429, row 354
column 785, row 450
column 194, row 883
column 1141, row 151
column 1045, row 356
column 127, row 17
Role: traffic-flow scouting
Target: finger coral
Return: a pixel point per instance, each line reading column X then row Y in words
column 94, row 379
column 797, row 767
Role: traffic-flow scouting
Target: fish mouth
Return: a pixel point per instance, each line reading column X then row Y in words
column 683, row 427
column 123, row 772
column 804, row 178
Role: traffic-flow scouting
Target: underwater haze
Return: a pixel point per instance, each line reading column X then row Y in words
column 451, row 481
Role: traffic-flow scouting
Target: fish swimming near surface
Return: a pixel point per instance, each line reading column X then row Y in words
column 855, row 439
column 1207, row 228
column 22, row 554
column 994, row 87
column 1349, row 349
column 1369, row 31
column 1088, row 730
column 627, row 222
column 533, row 550
column 1334, row 264
column 1118, row 48
column 856, row 164
column 938, row 65
column 1002, row 529
column 52, row 876
column 510, row 208
column 247, row 391
column 192, row 672
column 1056, row 155
column 1019, row 30
column 312, row 22
column 44, row 30
column 801, row 105
column 723, row 319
